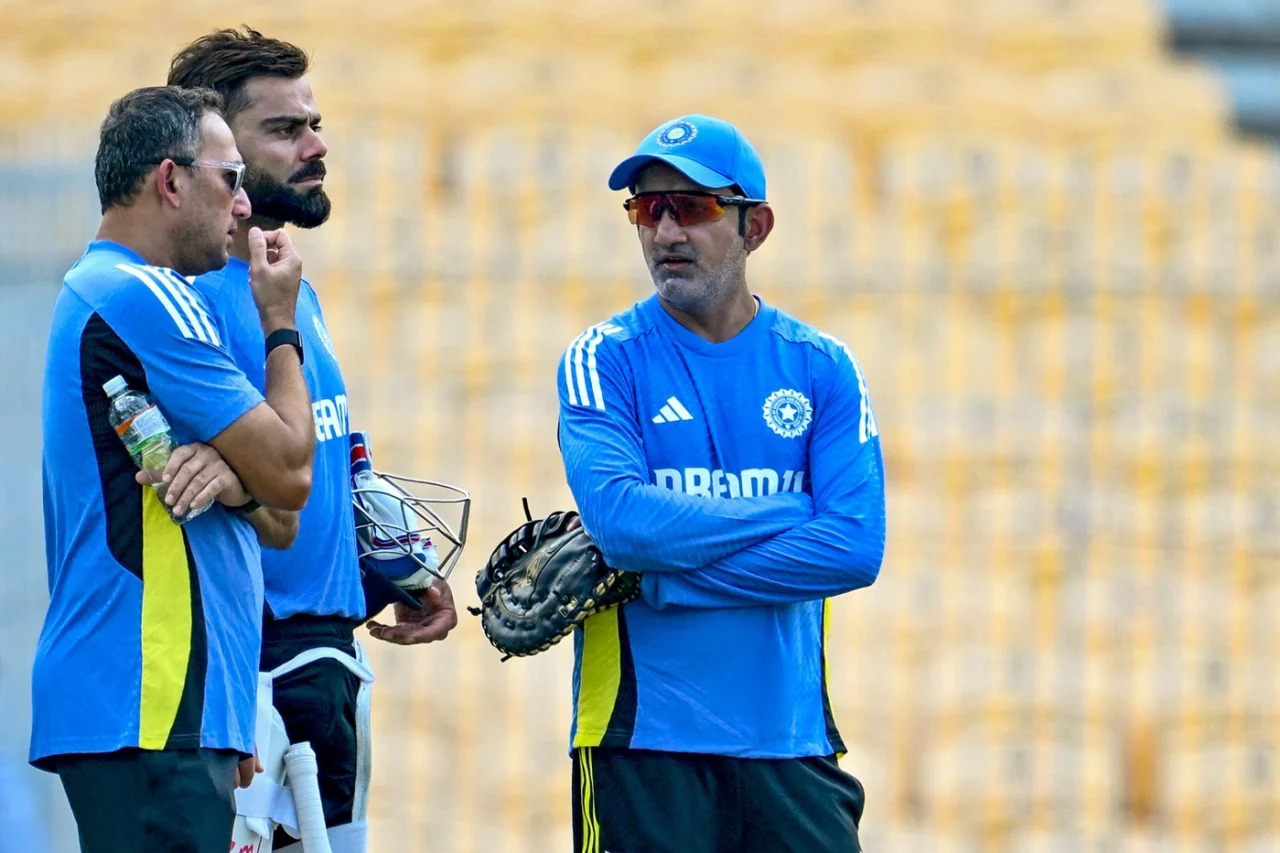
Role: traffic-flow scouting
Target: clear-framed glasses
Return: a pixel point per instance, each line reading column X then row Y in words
column 234, row 171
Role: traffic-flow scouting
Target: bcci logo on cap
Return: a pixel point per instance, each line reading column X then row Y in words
column 677, row 133
column 787, row 412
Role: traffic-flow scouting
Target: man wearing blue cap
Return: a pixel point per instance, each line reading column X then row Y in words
column 728, row 453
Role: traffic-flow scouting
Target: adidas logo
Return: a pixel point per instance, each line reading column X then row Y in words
column 672, row 412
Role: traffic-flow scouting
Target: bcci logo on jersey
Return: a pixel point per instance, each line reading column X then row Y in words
column 787, row 412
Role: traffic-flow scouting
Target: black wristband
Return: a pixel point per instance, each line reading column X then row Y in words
column 285, row 337
column 244, row 509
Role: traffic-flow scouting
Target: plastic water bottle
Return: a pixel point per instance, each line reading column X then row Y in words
column 146, row 435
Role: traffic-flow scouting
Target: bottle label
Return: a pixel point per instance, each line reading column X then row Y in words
column 145, row 425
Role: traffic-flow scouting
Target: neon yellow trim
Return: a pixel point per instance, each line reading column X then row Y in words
column 166, row 622
column 580, row 757
column 599, row 678
column 590, row 806
column 826, row 629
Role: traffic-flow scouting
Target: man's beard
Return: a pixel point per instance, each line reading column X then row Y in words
column 279, row 202
column 700, row 292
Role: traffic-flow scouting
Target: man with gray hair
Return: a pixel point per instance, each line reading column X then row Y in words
column 726, row 452
column 145, row 674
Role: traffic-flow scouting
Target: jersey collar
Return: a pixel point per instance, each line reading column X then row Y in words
column 750, row 335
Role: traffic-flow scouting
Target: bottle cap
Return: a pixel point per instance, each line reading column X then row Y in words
column 115, row 385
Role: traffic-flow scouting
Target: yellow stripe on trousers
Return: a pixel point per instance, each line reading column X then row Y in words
column 166, row 622
column 600, row 676
column 590, row 825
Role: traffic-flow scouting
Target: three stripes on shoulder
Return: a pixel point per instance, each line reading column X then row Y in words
column 581, row 374
column 179, row 299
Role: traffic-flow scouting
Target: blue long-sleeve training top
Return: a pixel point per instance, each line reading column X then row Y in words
column 745, row 481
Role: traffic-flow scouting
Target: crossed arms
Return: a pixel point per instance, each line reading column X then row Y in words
column 730, row 552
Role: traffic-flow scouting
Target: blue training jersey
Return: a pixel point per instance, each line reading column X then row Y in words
column 745, row 481
column 320, row 574
column 153, row 630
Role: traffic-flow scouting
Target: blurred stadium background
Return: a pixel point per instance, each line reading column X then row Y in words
column 1039, row 227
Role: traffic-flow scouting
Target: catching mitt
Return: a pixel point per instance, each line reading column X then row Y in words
column 542, row 580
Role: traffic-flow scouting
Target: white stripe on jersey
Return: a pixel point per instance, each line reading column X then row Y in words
column 583, row 379
column 583, row 397
column 159, row 294
column 867, row 427
column 591, row 362
column 568, row 369
column 184, row 284
column 180, row 298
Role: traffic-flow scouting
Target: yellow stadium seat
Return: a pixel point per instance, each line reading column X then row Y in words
column 1037, row 231
column 986, row 776
column 1222, row 789
column 920, row 838
column 1118, row 105
column 1037, row 34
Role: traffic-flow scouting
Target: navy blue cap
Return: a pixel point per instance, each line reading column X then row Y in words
column 706, row 150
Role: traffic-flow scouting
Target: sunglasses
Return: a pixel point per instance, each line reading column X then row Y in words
column 234, row 172
column 687, row 208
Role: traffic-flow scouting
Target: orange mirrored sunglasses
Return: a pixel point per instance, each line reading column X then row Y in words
column 687, row 208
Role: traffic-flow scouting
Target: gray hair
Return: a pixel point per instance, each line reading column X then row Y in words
column 143, row 128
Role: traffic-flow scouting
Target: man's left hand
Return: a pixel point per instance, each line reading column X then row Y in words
column 434, row 621
column 196, row 474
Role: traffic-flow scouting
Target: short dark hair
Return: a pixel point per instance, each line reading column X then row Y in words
column 143, row 128
column 225, row 60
